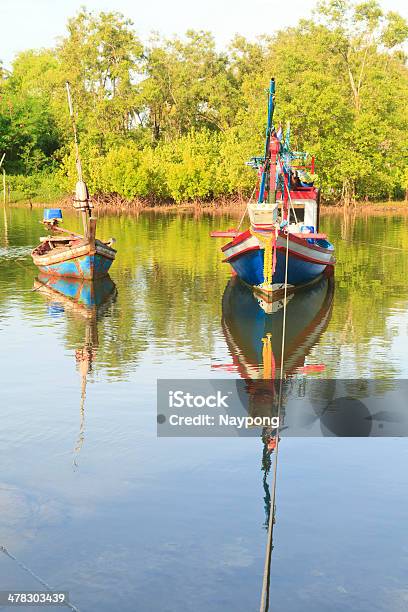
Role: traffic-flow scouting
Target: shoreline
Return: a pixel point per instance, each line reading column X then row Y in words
column 223, row 206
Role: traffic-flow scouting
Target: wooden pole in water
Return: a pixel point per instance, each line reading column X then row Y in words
column 4, row 201
column 6, row 241
column 4, row 178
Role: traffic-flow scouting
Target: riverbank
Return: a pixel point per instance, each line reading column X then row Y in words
column 114, row 204
column 220, row 206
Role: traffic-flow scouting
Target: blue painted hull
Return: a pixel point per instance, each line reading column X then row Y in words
column 249, row 268
column 87, row 267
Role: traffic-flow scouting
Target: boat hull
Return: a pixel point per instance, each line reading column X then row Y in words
column 80, row 262
column 306, row 260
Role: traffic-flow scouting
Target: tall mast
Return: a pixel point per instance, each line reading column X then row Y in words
column 271, row 108
column 81, row 200
column 268, row 176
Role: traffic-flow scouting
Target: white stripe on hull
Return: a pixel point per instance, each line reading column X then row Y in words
column 297, row 249
column 249, row 243
column 301, row 249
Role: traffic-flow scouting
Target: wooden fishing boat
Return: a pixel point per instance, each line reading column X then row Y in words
column 71, row 255
column 282, row 243
column 65, row 253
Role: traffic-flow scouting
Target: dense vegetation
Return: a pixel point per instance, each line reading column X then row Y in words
column 177, row 119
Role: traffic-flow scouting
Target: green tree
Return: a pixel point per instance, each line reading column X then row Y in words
column 188, row 85
column 178, row 119
column 100, row 57
column 28, row 129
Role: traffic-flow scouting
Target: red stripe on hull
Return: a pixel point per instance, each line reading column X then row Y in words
column 237, row 240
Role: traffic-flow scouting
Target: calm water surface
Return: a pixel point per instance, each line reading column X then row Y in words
column 93, row 503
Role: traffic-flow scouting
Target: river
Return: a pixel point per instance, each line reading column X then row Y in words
column 94, row 503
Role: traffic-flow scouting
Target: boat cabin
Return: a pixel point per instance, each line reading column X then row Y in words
column 306, row 203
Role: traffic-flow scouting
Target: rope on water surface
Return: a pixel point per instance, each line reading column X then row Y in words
column 8, row 554
column 264, row 607
column 26, row 267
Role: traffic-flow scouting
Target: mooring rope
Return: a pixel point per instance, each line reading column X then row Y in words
column 285, row 185
column 27, row 268
column 246, row 208
column 4, row 550
column 269, row 543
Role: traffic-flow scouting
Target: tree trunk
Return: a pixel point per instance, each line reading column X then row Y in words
column 348, row 193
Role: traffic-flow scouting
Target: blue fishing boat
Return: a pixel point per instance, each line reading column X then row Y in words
column 282, row 243
column 68, row 254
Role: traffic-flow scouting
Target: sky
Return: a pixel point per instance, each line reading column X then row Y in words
column 26, row 24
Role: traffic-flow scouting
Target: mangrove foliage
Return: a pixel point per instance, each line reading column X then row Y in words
column 175, row 119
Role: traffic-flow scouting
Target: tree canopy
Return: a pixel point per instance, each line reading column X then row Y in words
column 177, row 118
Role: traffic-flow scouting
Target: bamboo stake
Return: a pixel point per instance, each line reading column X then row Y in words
column 4, row 186
column 4, row 178
column 6, row 241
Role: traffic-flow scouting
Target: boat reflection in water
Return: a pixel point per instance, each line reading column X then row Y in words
column 253, row 328
column 87, row 302
column 253, row 332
